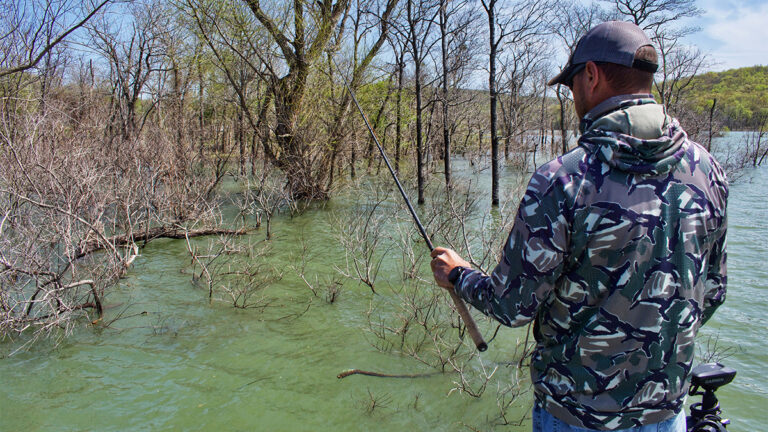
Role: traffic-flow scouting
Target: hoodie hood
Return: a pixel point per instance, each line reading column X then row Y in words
column 633, row 134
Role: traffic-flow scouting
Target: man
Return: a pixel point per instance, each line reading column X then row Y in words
column 617, row 252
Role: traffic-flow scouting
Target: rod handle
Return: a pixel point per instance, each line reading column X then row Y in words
column 469, row 322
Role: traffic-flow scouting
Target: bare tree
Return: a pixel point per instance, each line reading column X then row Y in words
column 494, row 41
column 399, row 51
column 417, row 31
column 748, row 150
column 522, row 79
column 756, row 142
column 234, row 272
column 444, row 101
column 457, row 20
column 240, row 50
column 301, row 45
column 412, row 317
column 134, row 57
column 679, row 65
column 519, row 21
column 31, row 29
column 658, row 16
column 570, row 21
column 77, row 200
column 362, row 235
column 661, row 19
column 329, row 284
column 268, row 198
column 369, row 23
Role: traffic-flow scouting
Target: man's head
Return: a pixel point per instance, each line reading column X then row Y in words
column 612, row 58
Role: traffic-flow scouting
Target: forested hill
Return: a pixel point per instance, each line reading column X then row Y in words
column 742, row 94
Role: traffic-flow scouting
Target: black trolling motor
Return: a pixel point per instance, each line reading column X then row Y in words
column 705, row 415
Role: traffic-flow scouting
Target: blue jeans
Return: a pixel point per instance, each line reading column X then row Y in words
column 546, row 422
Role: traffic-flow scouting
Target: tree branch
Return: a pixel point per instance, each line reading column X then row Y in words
column 282, row 41
column 32, row 63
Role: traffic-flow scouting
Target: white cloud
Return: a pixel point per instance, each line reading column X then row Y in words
column 735, row 33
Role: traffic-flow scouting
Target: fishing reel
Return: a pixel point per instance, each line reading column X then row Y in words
column 705, row 415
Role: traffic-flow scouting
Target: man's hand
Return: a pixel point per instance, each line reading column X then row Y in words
column 444, row 260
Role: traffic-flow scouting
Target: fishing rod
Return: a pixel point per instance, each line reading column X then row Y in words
column 461, row 308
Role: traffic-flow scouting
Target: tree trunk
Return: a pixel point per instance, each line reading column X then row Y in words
column 711, row 115
column 563, row 128
column 419, row 150
column 171, row 232
column 415, row 52
column 201, row 114
column 293, row 154
column 543, row 126
column 379, row 114
column 446, row 132
column 399, row 115
column 492, row 93
column 353, row 156
column 241, row 139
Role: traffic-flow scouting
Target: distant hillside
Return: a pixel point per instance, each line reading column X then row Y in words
column 742, row 94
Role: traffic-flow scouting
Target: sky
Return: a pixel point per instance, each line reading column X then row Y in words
column 733, row 33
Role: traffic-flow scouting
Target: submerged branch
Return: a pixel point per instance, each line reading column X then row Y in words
column 171, row 232
column 383, row 375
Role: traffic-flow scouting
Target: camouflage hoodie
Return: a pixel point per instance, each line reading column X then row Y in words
column 618, row 253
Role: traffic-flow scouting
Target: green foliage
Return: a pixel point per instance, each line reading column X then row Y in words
column 372, row 95
column 742, row 94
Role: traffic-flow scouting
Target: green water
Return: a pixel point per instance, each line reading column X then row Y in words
column 176, row 361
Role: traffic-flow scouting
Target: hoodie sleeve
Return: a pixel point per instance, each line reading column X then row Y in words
column 715, row 284
column 533, row 255
column 714, row 294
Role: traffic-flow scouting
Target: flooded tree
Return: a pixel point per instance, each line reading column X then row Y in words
column 457, row 21
column 369, row 25
column 280, row 48
column 301, row 45
column 514, row 24
column 416, row 31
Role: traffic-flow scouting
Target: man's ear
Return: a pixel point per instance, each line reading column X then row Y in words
column 592, row 77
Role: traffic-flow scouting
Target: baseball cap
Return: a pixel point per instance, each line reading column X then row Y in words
column 609, row 42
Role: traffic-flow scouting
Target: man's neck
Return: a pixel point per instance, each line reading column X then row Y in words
column 613, row 103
